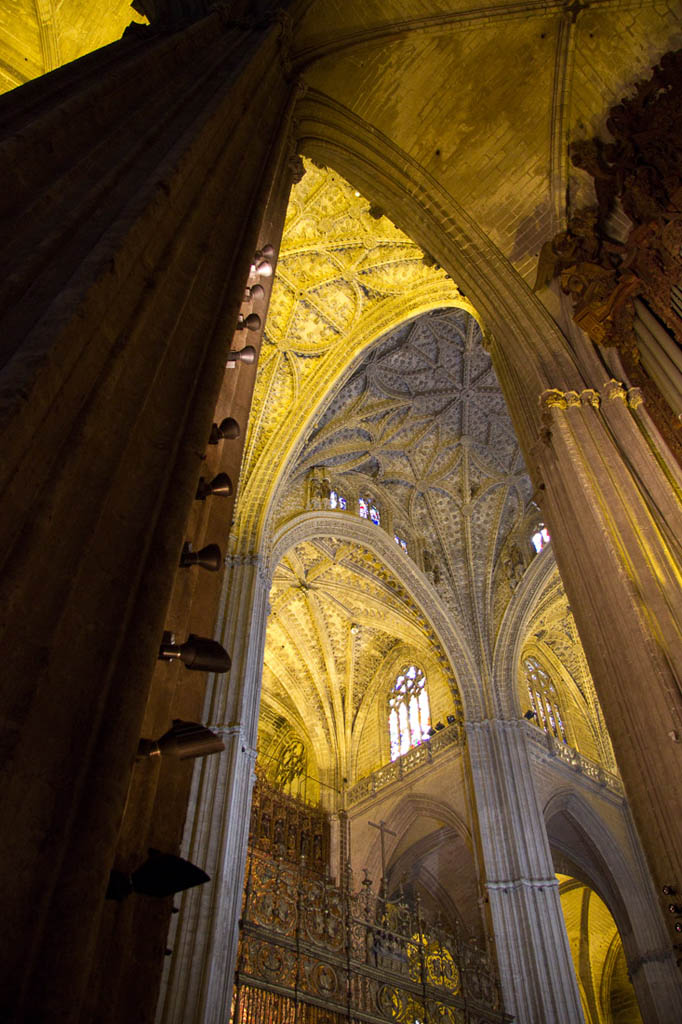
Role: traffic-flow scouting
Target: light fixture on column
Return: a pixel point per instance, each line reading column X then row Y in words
column 254, row 293
column 220, row 486
column 227, row 430
column 674, row 908
column 669, row 890
column 183, row 740
column 199, row 653
column 251, row 322
column 208, row 557
column 243, row 355
column 161, row 875
column 262, row 261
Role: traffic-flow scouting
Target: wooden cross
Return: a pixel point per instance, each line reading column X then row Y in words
column 385, row 831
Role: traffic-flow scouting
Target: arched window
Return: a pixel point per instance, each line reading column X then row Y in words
column 409, row 716
column 337, row 500
column 540, row 538
column 544, row 700
column 369, row 511
column 400, row 541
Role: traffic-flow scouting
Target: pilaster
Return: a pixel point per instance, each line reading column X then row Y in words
column 534, row 958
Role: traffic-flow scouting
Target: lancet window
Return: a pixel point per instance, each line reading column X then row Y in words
column 540, row 538
column 400, row 541
column 409, row 715
column 544, row 700
column 369, row 511
column 337, row 500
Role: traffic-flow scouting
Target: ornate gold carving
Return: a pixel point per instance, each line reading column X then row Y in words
column 588, row 396
column 553, row 398
column 635, row 398
column 614, row 389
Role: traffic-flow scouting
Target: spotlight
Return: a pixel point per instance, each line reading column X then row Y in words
column 431, row 732
column 439, row 726
column 251, row 322
column 220, row 485
column 451, row 719
column 206, row 558
column 226, row 430
column 262, row 261
column 254, row 293
column 669, row 890
column 678, row 926
column 529, row 715
column 183, row 740
column 199, row 653
column 674, row 908
column 245, row 355
column 162, row 874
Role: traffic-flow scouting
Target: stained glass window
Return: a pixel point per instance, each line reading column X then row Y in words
column 337, row 500
column 409, row 716
column 544, row 700
column 400, row 541
column 540, row 539
column 369, row 511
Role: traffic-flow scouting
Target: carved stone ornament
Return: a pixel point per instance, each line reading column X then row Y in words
column 638, row 173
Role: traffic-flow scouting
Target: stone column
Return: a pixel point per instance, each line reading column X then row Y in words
column 534, row 958
column 198, row 986
column 132, row 186
column 612, row 501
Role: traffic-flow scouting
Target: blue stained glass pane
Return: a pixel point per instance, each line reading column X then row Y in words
column 343, row 504
column 363, row 508
column 374, row 515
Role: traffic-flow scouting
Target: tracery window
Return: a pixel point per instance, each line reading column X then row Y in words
column 337, row 500
column 540, row 538
column 409, row 715
column 369, row 511
column 400, row 541
column 544, row 700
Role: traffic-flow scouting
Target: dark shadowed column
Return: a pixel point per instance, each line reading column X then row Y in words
column 132, row 192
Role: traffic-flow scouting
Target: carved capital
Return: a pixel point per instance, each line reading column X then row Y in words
column 553, row 398
column 614, row 389
column 589, row 396
column 635, row 398
column 572, row 398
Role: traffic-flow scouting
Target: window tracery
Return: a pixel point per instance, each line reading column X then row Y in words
column 544, row 700
column 409, row 715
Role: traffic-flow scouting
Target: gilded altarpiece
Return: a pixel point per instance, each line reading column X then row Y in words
column 312, row 952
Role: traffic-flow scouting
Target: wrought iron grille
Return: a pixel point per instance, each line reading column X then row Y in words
column 313, row 953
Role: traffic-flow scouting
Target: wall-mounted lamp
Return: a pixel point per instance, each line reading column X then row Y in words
column 162, row 874
column 183, row 740
column 209, row 557
column 251, row 322
column 262, row 261
column 439, row 726
column 669, row 890
column 220, row 486
column 226, row 430
column 199, row 653
column 451, row 719
column 674, row 908
column 243, row 355
column 529, row 715
column 254, row 293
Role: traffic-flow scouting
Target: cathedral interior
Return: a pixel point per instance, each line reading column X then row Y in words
column 340, row 406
